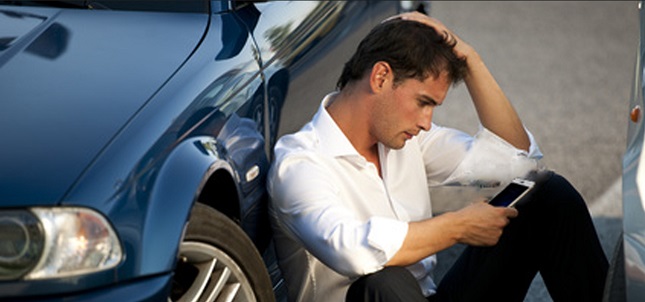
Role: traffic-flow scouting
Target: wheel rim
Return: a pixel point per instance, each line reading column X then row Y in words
column 206, row 273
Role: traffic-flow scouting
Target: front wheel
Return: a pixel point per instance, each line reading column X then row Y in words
column 218, row 262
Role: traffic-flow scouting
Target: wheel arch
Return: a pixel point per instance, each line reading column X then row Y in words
column 280, row 79
column 221, row 193
column 193, row 172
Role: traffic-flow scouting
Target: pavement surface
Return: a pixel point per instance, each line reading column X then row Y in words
column 568, row 69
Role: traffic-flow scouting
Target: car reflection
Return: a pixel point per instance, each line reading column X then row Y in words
column 50, row 44
column 14, row 25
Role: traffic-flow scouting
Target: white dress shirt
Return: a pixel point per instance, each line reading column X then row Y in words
column 335, row 219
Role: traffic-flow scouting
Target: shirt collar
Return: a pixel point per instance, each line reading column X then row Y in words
column 331, row 138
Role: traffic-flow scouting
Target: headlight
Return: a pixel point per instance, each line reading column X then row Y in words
column 55, row 242
column 21, row 243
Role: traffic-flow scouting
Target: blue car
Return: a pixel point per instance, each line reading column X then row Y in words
column 136, row 136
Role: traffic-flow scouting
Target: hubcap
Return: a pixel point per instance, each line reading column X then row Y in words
column 206, row 273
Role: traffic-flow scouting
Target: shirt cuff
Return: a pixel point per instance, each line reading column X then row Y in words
column 486, row 136
column 386, row 235
column 492, row 160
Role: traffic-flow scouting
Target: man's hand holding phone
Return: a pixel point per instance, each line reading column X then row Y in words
column 480, row 224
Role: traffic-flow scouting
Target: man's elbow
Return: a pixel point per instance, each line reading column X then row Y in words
column 352, row 266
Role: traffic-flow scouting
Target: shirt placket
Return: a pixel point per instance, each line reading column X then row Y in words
column 398, row 211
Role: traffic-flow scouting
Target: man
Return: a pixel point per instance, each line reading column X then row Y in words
column 350, row 200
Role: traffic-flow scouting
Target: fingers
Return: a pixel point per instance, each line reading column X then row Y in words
column 507, row 212
column 511, row 212
column 462, row 49
column 485, row 223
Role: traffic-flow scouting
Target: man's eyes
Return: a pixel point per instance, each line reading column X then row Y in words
column 424, row 103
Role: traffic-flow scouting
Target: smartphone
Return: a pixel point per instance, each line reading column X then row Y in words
column 512, row 193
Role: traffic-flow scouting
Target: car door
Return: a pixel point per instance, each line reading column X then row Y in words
column 302, row 47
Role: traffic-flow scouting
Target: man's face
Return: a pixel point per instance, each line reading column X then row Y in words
column 406, row 108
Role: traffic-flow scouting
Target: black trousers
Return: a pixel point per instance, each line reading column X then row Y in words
column 553, row 234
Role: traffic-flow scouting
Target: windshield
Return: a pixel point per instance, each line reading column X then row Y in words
column 184, row 6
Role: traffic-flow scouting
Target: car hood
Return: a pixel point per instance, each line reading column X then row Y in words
column 70, row 80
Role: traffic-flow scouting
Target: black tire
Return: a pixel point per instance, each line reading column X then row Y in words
column 217, row 258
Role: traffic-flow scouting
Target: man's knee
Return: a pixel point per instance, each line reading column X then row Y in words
column 388, row 284
column 554, row 191
column 560, row 191
column 555, row 206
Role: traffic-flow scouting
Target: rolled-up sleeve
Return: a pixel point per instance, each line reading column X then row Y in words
column 308, row 207
column 386, row 235
column 454, row 157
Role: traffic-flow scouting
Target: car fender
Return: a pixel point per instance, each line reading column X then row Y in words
column 176, row 188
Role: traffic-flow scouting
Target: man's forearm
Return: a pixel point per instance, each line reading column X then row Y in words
column 425, row 238
column 495, row 111
column 493, row 107
column 478, row 224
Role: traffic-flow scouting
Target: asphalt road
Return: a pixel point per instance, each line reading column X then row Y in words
column 568, row 68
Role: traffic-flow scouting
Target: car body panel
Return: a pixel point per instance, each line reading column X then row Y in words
column 150, row 128
column 42, row 160
column 132, row 166
column 153, row 288
column 158, row 135
column 634, row 187
column 311, row 76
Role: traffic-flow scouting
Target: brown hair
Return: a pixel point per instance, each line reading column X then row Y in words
column 413, row 50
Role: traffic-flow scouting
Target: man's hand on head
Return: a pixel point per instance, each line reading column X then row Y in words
column 462, row 49
column 495, row 111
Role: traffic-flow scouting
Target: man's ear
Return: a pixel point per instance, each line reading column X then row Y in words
column 380, row 76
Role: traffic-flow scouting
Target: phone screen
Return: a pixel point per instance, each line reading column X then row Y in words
column 508, row 195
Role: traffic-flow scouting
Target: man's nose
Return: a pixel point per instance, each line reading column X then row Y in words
column 426, row 119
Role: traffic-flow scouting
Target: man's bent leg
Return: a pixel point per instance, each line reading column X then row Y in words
column 389, row 284
column 574, row 268
column 553, row 234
